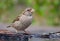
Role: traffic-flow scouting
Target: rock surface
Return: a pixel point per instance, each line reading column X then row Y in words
column 6, row 35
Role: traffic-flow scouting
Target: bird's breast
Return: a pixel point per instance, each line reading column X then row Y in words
column 26, row 19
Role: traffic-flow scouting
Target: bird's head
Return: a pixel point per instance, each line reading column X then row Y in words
column 28, row 11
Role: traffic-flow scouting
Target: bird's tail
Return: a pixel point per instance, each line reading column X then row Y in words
column 8, row 26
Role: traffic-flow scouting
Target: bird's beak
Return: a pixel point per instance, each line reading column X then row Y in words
column 32, row 10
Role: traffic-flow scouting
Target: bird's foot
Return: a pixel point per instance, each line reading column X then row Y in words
column 27, row 32
column 20, row 32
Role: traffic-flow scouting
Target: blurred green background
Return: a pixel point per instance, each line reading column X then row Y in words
column 47, row 12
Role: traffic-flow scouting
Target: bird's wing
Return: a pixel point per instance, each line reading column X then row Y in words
column 16, row 19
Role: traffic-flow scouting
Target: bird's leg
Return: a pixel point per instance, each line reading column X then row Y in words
column 27, row 32
column 20, row 31
column 16, row 31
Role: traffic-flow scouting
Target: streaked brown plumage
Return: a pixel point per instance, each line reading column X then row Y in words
column 23, row 21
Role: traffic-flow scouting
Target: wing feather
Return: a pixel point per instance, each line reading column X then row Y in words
column 16, row 19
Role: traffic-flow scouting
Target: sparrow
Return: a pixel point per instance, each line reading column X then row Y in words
column 23, row 21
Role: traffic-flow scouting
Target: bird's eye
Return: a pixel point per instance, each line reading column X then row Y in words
column 28, row 10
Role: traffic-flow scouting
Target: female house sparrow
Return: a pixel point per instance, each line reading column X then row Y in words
column 23, row 21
